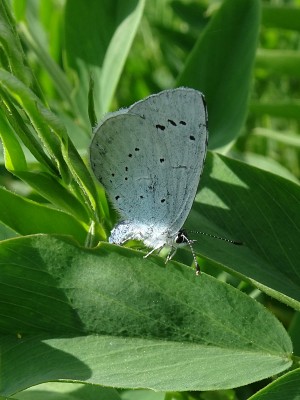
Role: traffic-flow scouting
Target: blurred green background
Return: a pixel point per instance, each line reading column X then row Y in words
column 60, row 42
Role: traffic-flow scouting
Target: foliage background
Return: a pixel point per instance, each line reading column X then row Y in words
column 71, row 311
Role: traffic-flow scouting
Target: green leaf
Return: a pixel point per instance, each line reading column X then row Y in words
column 19, row 8
column 84, row 180
column 67, row 391
column 6, row 233
column 101, row 45
column 26, row 217
column 294, row 332
column 58, row 195
column 243, row 203
column 107, row 316
column 41, row 118
column 11, row 46
column 286, row 387
column 41, row 41
column 13, row 153
column 220, row 66
column 52, row 134
column 266, row 163
column 15, row 162
column 91, row 105
column 27, row 136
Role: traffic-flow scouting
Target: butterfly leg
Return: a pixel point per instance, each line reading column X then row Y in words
column 155, row 248
column 171, row 254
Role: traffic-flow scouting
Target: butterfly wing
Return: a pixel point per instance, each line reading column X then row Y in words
column 150, row 157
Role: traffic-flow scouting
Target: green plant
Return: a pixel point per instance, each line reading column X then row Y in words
column 77, row 311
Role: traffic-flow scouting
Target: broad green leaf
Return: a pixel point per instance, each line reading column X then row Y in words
column 67, row 391
column 286, row 387
column 26, row 217
column 220, row 66
column 266, row 163
column 260, row 209
column 107, row 316
column 101, row 45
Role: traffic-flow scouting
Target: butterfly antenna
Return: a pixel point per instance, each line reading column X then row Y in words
column 236, row 242
column 190, row 243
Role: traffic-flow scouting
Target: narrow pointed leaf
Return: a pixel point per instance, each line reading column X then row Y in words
column 100, row 48
column 26, row 217
column 220, row 65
